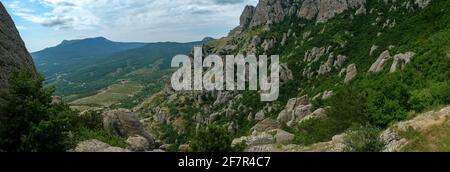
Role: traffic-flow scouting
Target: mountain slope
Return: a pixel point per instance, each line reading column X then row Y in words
column 147, row 65
column 349, row 63
column 70, row 55
column 136, row 58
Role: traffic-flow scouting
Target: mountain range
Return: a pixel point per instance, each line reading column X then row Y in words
column 88, row 65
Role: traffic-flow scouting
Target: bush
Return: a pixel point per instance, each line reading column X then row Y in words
column 387, row 99
column 32, row 123
column 90, row 120
column 363, row 139
column 316, row 130
column 420, row 99
column 348, row 106
column 212, row 139
column 436, row 94
column 83, row 134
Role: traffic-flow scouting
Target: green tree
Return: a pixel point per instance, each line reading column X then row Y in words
column 349, row 106
column 32, row 122
column 212, row 139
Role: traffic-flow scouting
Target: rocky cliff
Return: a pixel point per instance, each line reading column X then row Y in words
column 274, row 11
column 351, row 58
column 13, row 53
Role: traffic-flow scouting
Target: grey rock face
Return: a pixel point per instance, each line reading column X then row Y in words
column 295, row 110
column 13, row 53
column 283, row 137
column 328, row 66
column 285, row 73
column 422, row 3
column 330, row 8
column 401, row 60
column 274, row 11
column 265, row 125
column 137, row 144
column 309, row 9
column 381, row 61
column 323, row 10
column 260, row 115
column 269, row 11
column 314, row 54
column 223, row 97
column 268, row 44
column 260, row 139
column 352, row 71
column 162, row 115
column 96, row 146
column 340, row 60
column 327, row 95
column 319, row 113
column 247, row 16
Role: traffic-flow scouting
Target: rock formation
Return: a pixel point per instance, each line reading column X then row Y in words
column 96, row 146
column 351, row 73
column 13, row 53
column 267, row 137
column 422, row 3
column 267, row 124
column 125, row 124
column 274, row 11
column 335, row 145
column 400, row 60
column 247, row 16
column 381, row 61
column 268, row 11
column 295, row 110
column 323, row 10
column 394, row 139
column 309, row 9
column 137, row 144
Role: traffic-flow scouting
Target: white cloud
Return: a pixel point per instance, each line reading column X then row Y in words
column 125, row 20
column 134, row 14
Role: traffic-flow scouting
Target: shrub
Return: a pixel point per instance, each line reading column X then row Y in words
column 348, row 106
column 90, row 120
column 316, row 130
column 437, row 93
column 212, row 139
column 420, row 99
column 363, row 139
column 83, row 134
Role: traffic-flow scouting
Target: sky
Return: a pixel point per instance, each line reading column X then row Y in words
column 45, row 23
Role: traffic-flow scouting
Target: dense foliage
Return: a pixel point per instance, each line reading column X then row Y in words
column 213, row 139
column 33, row 123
